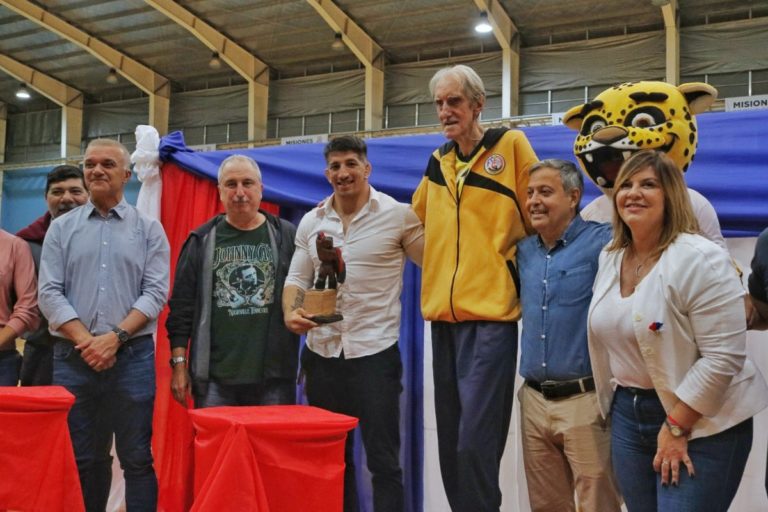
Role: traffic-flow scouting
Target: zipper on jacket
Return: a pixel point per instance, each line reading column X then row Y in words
column 456, row 268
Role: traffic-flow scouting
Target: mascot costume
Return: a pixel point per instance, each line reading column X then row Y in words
column 640, row 115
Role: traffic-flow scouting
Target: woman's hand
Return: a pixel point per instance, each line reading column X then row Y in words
column 672, row 453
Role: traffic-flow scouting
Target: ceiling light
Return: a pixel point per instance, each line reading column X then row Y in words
column 483, row 27
column 23, row 93
column 111, row 76
column 338, row 43
column 215, row 62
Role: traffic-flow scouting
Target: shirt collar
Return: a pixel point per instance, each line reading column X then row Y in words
column 576, row 226
column 119, row 209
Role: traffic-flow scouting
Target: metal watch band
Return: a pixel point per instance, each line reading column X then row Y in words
column 178, row 360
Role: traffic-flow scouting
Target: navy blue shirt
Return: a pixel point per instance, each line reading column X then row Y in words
column 758, row 280
column 556, row 288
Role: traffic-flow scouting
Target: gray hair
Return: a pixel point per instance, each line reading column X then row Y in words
column 112, row 143
column 242, row 159
column 569, row 174
column 470, row 81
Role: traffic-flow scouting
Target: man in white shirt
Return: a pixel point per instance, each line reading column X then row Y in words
column 353, row 366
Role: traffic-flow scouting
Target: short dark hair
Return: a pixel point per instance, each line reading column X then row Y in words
column 346, row 143
column 63, row 173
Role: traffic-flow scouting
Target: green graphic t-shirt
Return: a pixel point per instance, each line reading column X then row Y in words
column 243, row 295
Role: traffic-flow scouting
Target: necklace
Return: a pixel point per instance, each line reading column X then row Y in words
column 639, row 266
column 634, row 270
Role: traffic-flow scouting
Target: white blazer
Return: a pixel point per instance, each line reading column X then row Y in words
column 698, row 354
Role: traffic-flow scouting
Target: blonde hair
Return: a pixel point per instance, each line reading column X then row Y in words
column 678, row 212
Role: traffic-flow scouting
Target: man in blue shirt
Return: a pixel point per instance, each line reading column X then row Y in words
column 566, row 443
column 104, row 275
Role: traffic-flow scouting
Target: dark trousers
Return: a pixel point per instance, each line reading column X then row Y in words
column 37, row 367
column 268, row 392
column 474, row 371
column 368, row 388
column 10, row 362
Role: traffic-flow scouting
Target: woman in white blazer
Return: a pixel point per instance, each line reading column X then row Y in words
column 667, row 343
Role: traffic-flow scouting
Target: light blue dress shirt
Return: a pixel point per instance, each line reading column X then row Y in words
column 556, row 288
column 98, row 268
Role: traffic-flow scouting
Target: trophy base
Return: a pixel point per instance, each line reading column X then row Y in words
column 321, row 306
column 327, row 319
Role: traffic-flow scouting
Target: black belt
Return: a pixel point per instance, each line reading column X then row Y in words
column 638, row 391
column 552, row 389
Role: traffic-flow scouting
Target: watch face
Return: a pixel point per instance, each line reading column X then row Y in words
column 676, row 431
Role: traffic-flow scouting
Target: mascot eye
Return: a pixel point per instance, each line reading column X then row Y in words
column 592, row 125
column 643, row 121
column 645, row 117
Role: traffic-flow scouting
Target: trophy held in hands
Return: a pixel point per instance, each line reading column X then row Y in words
column 320, row 302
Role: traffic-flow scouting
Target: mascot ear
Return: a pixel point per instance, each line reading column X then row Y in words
column 698, row 95
column 573, row 118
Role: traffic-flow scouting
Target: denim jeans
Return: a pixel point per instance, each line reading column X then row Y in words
column 269, row 392
column 10, row 363
column 718, row 459
column 117, row 401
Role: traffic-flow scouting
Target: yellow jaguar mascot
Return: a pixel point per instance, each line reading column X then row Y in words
column 634, row 116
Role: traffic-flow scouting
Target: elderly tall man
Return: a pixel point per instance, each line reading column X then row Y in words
column 353, row 366
column 103, row 281
column 226, row 301
column 470, row 203
column 64, row 191
column 566, row 443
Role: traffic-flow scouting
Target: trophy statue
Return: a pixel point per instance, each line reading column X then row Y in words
column 320, row 302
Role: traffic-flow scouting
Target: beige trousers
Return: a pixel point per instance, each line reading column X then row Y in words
column 567, row 450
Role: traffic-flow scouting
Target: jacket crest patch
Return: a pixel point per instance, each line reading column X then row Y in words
column 494, row 164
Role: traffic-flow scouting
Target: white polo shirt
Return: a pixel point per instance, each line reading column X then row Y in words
column 374, row 248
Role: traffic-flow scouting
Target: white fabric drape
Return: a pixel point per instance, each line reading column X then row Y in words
column 146, row 165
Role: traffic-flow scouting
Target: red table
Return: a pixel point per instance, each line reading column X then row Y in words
column 36, row 458
column 278, row 458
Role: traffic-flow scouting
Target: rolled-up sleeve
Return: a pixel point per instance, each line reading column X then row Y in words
column 51, row 299
column 24, row 316
column 413, row 235
column 156, row 278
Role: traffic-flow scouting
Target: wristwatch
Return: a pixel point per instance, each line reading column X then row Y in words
column 178, row 360
column 674, row 429
column 122, row 336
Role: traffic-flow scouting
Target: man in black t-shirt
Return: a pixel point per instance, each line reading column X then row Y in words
column 226, row 301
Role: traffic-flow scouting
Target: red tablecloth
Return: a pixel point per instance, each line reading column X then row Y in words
column 36, row 459
column 280, row 458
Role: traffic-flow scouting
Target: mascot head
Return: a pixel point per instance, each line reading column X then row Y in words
column 634, row 116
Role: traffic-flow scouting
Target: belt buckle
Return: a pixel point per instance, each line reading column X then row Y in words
column 548, row 389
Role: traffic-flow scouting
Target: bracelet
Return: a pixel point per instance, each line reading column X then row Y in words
column 674, row 422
